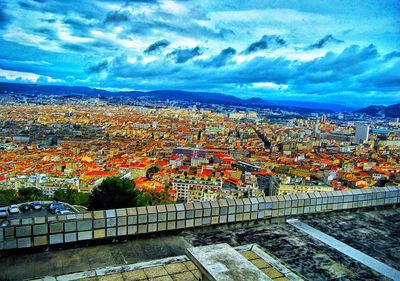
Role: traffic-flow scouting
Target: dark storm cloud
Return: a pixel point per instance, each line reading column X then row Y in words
column 97, row 68
column 267, row 41
column 142, row 1
column 79, row 26
column 117, row 17
column 49, row 20
column 328, row 39
column 385, row 78
column 351, row 60
column 27, row 5
column 165, row 23
column 355, row 69
column 86, row 9
column 225, row 33
column 221, row 59
column 75, row 47
column 161, row 69
column 4, row 17
column 183, row 55
column 392, row 55
column 259, row 69
column 47, row 32
column 157, row 46
column 350, row 70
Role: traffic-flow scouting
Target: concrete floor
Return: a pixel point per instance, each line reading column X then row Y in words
column 372, row 232
column 57, row 262
column 376, row 265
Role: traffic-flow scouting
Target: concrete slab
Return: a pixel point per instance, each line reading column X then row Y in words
column 221, row 262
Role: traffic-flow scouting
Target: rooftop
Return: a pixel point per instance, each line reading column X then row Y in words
column 286, row 252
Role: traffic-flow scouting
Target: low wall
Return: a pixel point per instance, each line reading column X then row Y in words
column 58, row 229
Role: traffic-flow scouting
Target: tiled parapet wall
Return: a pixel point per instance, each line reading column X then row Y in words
column 41, row 231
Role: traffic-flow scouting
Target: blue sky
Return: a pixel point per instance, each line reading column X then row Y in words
column 344, row 52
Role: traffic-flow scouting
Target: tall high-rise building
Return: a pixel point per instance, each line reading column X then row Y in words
column 316, row 129
column 362, row 133
column 323, row 119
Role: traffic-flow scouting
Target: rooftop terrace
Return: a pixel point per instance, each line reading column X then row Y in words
column 364, row 220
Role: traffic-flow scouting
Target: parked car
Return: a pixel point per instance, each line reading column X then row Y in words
column 25, row 207
column 53, row 207
column 5, row 222
column 64, row 212
column 13, row 209
column 36, row 205
column 3, row 212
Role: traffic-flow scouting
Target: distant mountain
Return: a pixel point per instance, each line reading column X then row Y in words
column 185, row 96
column 203, row 97
column 49, row 89
column 375, row 110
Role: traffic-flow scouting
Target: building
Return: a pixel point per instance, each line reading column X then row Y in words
column 190, row 152
column 362, row 133
column 292, row 188
column 196, row 189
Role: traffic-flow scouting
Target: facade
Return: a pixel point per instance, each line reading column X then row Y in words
column 292, row 188
column 196, row 189
column 362, row 133
column 190, row 152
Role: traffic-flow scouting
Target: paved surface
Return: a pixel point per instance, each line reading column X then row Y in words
column 372, row 263
column 57, row 262
column 178, row 269
column 373, row 233
column 310, row 257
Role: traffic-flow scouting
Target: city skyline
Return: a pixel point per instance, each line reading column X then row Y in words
column 300, row 50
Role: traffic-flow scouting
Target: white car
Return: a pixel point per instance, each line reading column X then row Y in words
column 13, row 209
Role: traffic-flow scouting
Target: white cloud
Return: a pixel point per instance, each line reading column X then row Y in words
column 26, row 76
column 17, row 75
column 270, row 85
column 173, row 7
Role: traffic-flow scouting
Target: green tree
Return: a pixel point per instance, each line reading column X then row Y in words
column 158, row 197
column 143, row 199
column 72, row 197
column 81, row 198
column 115, row 193
column 7, row 197
column 27, row 194
column 62, row 195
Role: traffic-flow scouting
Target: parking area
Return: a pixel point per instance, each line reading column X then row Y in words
column 44, row 211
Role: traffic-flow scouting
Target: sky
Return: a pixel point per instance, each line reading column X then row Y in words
column 344, row 52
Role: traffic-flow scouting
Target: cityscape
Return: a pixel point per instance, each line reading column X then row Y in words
column 175, row 140
column 195, row 152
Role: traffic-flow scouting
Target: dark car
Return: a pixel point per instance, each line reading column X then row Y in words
column 3, row 212
column 25, row 207
column 36, row 205
column 64, row 211
column 53, row 207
